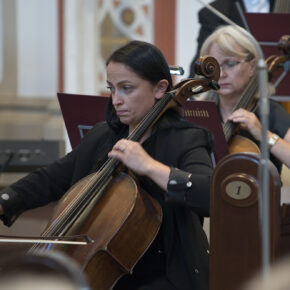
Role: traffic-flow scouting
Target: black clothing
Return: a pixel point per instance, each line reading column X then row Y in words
column 180, row 250
column 209, row 21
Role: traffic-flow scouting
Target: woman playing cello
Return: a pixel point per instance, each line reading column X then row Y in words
column 237, row 56
column 171, row 162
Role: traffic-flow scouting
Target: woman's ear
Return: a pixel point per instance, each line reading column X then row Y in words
column 253, row 67
column 161, row 88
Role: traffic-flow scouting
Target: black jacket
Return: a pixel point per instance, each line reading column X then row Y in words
column 174, row 142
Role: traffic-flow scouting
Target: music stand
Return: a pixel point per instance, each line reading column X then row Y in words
column 81, row 112
column 205, row 114
column 268, row 28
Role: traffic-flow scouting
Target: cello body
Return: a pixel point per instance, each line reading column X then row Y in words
column 236, row 142
column 239, row 144
column 118, row 236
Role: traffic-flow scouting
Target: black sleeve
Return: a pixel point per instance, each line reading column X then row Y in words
column 38, row 188
column 50, row 183
column 189, row 181
column 279, row 119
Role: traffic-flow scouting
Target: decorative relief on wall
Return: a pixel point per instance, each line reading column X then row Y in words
column 93, row 30
column 119, row 21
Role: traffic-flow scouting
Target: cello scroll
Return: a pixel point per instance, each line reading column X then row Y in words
column 208, row 67
column 274, row 62
column 205, row 66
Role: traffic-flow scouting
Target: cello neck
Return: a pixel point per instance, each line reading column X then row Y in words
column 244, row 102
column 152, row 117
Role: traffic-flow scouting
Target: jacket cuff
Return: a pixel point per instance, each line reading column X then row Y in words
column 11, row 203
column 178, row 184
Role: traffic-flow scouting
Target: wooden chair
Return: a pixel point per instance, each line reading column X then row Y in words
column 235, row 237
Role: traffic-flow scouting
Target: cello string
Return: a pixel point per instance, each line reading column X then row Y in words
column 243, row 103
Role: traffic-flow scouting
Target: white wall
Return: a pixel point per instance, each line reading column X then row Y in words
column 37, row 53
column 187, row 31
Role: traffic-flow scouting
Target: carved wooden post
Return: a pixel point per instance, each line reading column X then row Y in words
column 235, row 238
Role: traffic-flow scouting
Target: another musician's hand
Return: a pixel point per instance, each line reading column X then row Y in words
column 132, row 155
column 248, row 121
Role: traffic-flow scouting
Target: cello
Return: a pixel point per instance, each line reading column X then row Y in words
column 111, row 210
column 236, row 142
column 276, row 62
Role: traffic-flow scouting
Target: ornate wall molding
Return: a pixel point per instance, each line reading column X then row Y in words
column 95, row 28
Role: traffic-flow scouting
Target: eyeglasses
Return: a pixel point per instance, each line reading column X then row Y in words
column 230, row 64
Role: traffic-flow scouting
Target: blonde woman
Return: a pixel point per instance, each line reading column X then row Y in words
column 237, row 56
